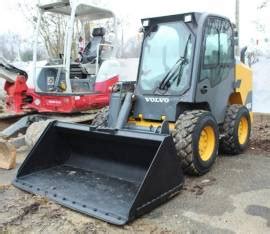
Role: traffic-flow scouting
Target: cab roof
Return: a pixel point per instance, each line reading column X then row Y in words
column 194, row 16
column 83, row 9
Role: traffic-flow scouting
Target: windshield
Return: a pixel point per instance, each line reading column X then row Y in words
column 166, row 53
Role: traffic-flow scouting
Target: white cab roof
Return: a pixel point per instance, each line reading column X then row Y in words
column 84, row 9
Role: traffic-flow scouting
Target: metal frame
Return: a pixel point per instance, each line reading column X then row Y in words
column 74, row 4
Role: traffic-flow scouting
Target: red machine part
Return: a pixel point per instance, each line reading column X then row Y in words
column 16, row 93
column 20, row 98
column 67, row 103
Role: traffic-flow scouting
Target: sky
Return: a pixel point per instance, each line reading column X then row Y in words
column 248, row 11
column 13, row 20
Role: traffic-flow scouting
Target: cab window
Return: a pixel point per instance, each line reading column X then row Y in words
column 218, row 51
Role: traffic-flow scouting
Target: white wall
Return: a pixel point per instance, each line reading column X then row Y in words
column 261, row 85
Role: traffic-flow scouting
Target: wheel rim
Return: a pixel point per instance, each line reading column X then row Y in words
column 243, row 130
column 207, row 143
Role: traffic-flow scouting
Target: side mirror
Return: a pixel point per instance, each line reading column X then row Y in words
column 243, row 54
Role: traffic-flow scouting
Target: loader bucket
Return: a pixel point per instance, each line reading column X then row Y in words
column 114, row 176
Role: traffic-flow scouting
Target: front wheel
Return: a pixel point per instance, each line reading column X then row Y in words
column 196, row 141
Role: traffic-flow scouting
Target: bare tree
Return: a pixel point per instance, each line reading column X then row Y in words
column 260, row 26
column 10, row 45
column 52, row 28
column 263, row 4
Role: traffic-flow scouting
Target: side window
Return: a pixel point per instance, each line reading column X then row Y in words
column 226, row 43
column 218, row 55
column 211, row 47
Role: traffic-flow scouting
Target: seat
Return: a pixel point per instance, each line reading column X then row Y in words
column 90, row 52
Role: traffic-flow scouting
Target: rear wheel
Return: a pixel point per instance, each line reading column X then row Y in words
column 236, row 130
column 196, row 141
column 101, row 118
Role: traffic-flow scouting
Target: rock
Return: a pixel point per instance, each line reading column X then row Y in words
column 34, row 131
column 23, row 149
column 205, row 181
column 18, row 141
column 7, row 155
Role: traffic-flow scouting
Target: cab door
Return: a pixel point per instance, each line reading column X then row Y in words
column 216, row 74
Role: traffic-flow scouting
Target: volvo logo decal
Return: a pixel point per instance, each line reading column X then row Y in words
column 157, row 99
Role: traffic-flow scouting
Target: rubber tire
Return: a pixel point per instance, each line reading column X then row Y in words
column 186, row 136
column 229, row 143
column 101, row 118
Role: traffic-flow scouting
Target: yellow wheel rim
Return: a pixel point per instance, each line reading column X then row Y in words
column 207, row 142
column 243, row 130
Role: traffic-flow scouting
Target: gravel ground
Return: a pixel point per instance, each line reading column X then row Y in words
column 261, row 134
column 232, row 198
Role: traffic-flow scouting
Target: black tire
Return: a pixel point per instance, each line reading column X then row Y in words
column 187, row 133
column 229, row 142
column 101, row 118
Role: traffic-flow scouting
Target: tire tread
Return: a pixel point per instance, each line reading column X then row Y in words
column 228, row 143
column 183, row 139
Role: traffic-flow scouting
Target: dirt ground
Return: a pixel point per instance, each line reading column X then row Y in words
column 232, row 198
column 261, row 134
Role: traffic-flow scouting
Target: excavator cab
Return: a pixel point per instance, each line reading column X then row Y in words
column 192, row 99
column 76, row 70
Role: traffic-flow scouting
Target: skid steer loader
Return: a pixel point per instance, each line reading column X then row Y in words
column 191, row 99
